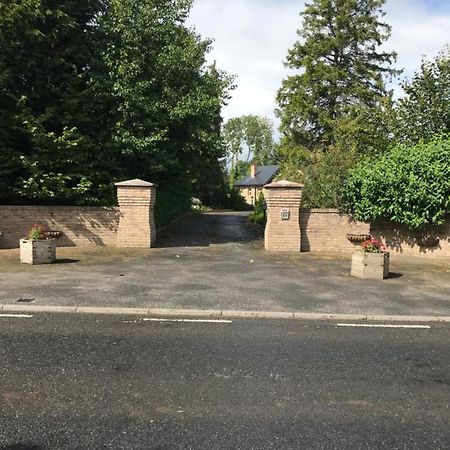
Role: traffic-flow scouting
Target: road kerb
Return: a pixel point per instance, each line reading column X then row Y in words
column 258, row 314
column 112, row 311
column 175, row 312
column 172, row 312
column 39, row 308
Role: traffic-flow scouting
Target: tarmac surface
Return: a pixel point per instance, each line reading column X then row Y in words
column 85, row 382
column 217, row 261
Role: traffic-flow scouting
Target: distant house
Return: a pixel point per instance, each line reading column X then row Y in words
column 252, row 185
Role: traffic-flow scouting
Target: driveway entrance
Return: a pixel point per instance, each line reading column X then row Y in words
column 217, row 261
column 214, row 228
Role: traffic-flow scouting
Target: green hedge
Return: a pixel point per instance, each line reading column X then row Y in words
column 408, row 185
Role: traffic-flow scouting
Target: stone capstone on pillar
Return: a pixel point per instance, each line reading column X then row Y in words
column 136, row 200
column 283, row 199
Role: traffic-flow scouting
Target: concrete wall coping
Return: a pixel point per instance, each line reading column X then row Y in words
column 284, row 184
column 321, row 210
column 136, row 182
column 59, row 207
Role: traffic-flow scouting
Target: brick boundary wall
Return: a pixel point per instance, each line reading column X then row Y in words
column 398, row 239
column 326, row 230
column 321, row 229
column 79, row 225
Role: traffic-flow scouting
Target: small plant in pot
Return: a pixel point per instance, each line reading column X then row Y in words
column 370, row 261
column 36, row 249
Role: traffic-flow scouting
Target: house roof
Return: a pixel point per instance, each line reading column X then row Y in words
column 264, row 174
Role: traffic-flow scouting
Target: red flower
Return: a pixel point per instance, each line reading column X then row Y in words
column 372, row 246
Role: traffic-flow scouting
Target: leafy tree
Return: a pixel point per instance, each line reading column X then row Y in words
column 249, row 138
column 340, row 70
column 169, row 103
column 409, row 185
column 49, row 112
column 425, row 109
column 323, row 172
column 366, row 131
column 98, row 90
column 240, row 170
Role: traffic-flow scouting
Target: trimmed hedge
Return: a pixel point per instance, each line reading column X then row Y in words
column 407, row 185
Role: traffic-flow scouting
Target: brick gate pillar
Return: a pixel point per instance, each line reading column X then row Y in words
column 283, row 200
column 136, row 204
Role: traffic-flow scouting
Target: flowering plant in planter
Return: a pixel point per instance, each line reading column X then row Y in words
column 37, row 232
column 372, row 261
column 36, row 248
column 372, row 246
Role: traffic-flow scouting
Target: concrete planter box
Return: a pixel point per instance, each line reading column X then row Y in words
column 370, row 265
column 37, row 251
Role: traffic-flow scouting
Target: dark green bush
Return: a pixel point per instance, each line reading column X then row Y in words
column 237, row 202
column 407, row 185
column 172, row 201
column 259, row 204
column 259, row 218
column 259, row 214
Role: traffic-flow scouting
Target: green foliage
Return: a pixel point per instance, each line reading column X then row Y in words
column 249, row 137
column 172, row 201
column 366, row 131
column 237, row 202
column 409, row 185
column 425, row 109
column 210, row 185
column 198, row 206
column 258, row 218
column 258, row 215
column 37, row 232
column 340, row 71
column 239, row 170
column 259, row 206
column 323, row 172
column 372, row 246
column 95, row 91
column 49, row 111
column 169, row 103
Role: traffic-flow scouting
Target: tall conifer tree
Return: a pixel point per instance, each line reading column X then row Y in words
column 339, row 67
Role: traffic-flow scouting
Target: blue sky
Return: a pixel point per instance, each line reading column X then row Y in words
column 252, row 37
column 437, row 5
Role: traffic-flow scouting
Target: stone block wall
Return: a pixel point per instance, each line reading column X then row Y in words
column 79, row 225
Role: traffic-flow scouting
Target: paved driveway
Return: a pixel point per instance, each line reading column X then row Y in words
column 217, row 261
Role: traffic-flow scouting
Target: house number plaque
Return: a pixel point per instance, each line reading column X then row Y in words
column 285, row 214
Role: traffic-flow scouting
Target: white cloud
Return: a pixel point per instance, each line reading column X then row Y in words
column 251, row 40
column 252, row 37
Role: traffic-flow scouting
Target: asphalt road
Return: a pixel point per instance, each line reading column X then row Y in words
column 85, row 382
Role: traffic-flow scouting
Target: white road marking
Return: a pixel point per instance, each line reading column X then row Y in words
column 375, row 325
column 16, row 316
column 189, row 320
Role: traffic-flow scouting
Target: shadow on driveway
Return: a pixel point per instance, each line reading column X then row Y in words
column 203, row 230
